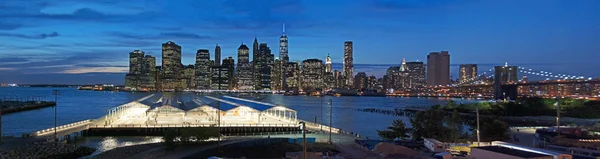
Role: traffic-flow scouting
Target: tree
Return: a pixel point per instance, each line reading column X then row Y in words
column 455, row 125
column 451, row 104
column 429, row 124
column 397, row 131
column 492, row 129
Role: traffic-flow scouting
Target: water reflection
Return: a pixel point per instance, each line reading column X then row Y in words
column 103, row 144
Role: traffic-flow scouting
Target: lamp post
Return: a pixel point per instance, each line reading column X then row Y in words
column 321, row 125
column 303, row 127
column 557, row 117
column 478, row 139
column 330, row 117
column 55, row 93
column 219, row 124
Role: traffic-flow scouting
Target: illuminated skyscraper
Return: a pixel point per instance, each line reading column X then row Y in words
column 171, row 66
column 438, row 68
column 244, row 69
column 348, row 67
column 136, row 62
column 312, row 75
column 360, row 81
column 218, row 55
column 328, row 63
column 283, row 47
column 203, row 69
column 467, row 72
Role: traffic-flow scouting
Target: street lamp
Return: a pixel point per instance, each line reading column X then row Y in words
column 478, row 139
column 321, row 115
column 55, row 93
column 303, row 127
column 557, row 117
column 330, row 117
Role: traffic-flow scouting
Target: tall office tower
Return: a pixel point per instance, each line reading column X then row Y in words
column 503, row 76
column 467, row 73
column 149, row 73
column 277, row 75
column 416, row 74
column 136, row 62
column 360, row 81
column 283, row 47
column 222, row 75
column 203, row 75
column 262, row 68
column 255, row 50
column 438, row 68
column 348, row 64
column 337, row 79
column 328, row 63
column 188, row 77
column 171, row 66
column 292, row 76
column 244, row 69
column 372, row 83
column 217, row 55
column 312, row 75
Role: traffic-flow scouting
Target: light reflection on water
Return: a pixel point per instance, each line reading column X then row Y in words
column 103, row 144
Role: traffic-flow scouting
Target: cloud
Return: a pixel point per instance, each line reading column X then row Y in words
column 394, row 5
column 10, row 26
column 164, row 35
column 12, row 59
column 99, row 65
column 38, row 36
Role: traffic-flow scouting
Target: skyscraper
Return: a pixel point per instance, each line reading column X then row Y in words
column 255, row 50
column 262, row 67
column 438, row 68
column 203, row 69
column 222, row 76
column 217, row 55
column 292, row 76
column 171, row 66
column 348, row 64
column 283, row 47
column 467, row 72
column 328, row 63
column 149, row 73
column 276, row 75
column 244, row 69
column 312, row 75
column 416, row 74
column 360, row 81
column 136, row 62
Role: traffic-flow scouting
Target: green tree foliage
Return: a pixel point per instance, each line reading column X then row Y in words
column 430, row 124
column 397, row 131
column 455, row 125
column 534, row 106
column 492, row 129
column 451, row 104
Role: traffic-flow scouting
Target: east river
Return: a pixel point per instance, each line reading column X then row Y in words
column 76, row 105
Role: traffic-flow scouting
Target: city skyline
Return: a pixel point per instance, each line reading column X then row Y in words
column 50, row 47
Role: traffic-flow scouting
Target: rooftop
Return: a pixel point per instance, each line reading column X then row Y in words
column 512, row 152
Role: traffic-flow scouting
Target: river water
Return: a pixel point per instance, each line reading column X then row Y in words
column 75, row 105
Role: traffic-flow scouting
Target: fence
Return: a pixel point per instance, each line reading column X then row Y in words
column 189, row 125
column 58, row 128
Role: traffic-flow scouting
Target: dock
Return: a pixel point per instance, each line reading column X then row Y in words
column 13, row 104
column 154, row 114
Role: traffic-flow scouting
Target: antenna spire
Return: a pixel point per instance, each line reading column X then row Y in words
column 283, row 27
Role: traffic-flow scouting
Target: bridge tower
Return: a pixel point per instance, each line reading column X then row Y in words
column 505, row 79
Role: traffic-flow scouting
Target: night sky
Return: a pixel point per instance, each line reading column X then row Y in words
column 88, row 41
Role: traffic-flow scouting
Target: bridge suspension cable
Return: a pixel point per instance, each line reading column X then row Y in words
column 549, row 74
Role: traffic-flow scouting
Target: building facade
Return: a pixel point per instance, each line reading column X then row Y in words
column 277, row 75
column 438, row 68
column 292, row 77
column 360, row 81
column 312, row 75
column 222, row 75
column 416, row 74
column 244, row 70
column 203, row 71
column 348, row 66
column 171, row 66
column 467, row 73
column 328, row 67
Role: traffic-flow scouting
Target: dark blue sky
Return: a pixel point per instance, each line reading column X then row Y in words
column 88, row 41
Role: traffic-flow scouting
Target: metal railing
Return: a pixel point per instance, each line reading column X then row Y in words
column 62, row 127
column 188, row 125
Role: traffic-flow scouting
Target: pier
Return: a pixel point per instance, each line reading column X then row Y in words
column 154, row 114
column 13, row 104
